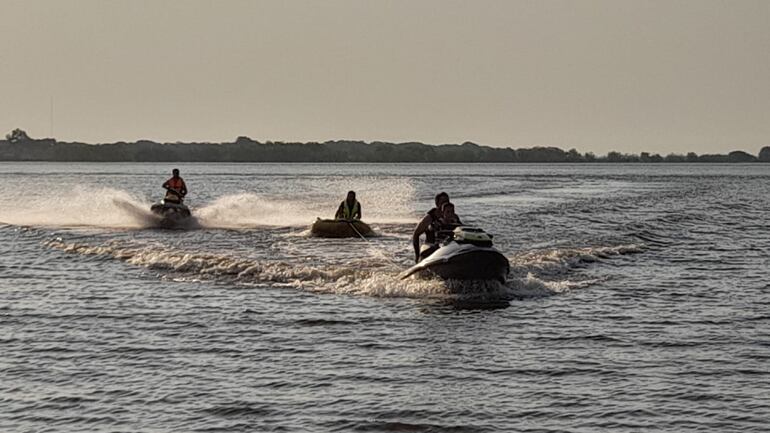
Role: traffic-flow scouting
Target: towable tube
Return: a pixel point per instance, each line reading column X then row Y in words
column 328, row 228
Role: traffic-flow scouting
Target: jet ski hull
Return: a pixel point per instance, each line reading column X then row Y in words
column 328, row 228
column 463, row 262
column 172, row 215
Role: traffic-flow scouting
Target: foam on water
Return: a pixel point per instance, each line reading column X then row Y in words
column 376, row 274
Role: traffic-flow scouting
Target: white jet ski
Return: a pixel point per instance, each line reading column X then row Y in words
column 467, row 255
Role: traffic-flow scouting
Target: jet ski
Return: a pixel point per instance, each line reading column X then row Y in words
column 173, row 213
column 328, row 228
column 467, row 254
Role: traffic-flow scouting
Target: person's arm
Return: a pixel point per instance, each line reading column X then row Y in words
column 340, row 212
column 421, row 228
column 358, row 213
column 184, row 189
column 165, row 185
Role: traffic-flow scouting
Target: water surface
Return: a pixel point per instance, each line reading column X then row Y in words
column 637, row 301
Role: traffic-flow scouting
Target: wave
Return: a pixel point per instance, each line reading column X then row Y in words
column 374, row 275
column 557, row 262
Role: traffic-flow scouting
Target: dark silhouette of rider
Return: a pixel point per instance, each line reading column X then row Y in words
column 350, row 208
column 428, row 225
column 175, row 187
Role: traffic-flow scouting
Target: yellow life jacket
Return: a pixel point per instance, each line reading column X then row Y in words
column 347, row 212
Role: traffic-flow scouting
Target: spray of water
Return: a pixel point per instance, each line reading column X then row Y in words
column 382, row 202
column 252, row 210
column 113, row 208
column 80, row 206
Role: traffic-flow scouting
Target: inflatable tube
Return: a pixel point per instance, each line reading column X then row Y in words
column 327, row 228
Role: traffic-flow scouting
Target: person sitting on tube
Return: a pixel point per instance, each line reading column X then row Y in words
column 349, row 209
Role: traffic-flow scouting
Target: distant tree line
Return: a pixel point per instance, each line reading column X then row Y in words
column 18, row 146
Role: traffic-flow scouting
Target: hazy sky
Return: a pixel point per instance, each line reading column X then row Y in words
column 664, row 76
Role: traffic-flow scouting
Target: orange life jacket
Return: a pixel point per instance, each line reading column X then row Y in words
column 175, row 183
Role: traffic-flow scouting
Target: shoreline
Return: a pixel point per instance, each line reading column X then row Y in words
column 18, row 147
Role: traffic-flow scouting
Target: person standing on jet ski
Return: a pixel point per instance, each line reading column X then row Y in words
column 175, row 188
column 428, row 225
column 350, row 208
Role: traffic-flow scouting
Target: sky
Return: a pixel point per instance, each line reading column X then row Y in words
column 632, row 76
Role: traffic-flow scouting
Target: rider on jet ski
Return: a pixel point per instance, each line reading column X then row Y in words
column 175, row 188
column 424, row 226
column 437, row 225
column 458, row 252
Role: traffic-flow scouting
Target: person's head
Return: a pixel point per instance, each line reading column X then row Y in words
column 448, row 211
column 441, row 198
column 351, row 196
column 175, row 172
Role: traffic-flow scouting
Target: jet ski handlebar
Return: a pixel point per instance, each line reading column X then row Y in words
column 172, row 190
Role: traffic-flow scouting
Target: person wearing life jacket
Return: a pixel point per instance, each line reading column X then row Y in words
column 175, row 188
column 428, row 226
column 350, row 208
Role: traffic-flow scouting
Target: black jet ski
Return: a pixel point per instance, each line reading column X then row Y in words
column 173, row 213
column 467, row 254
